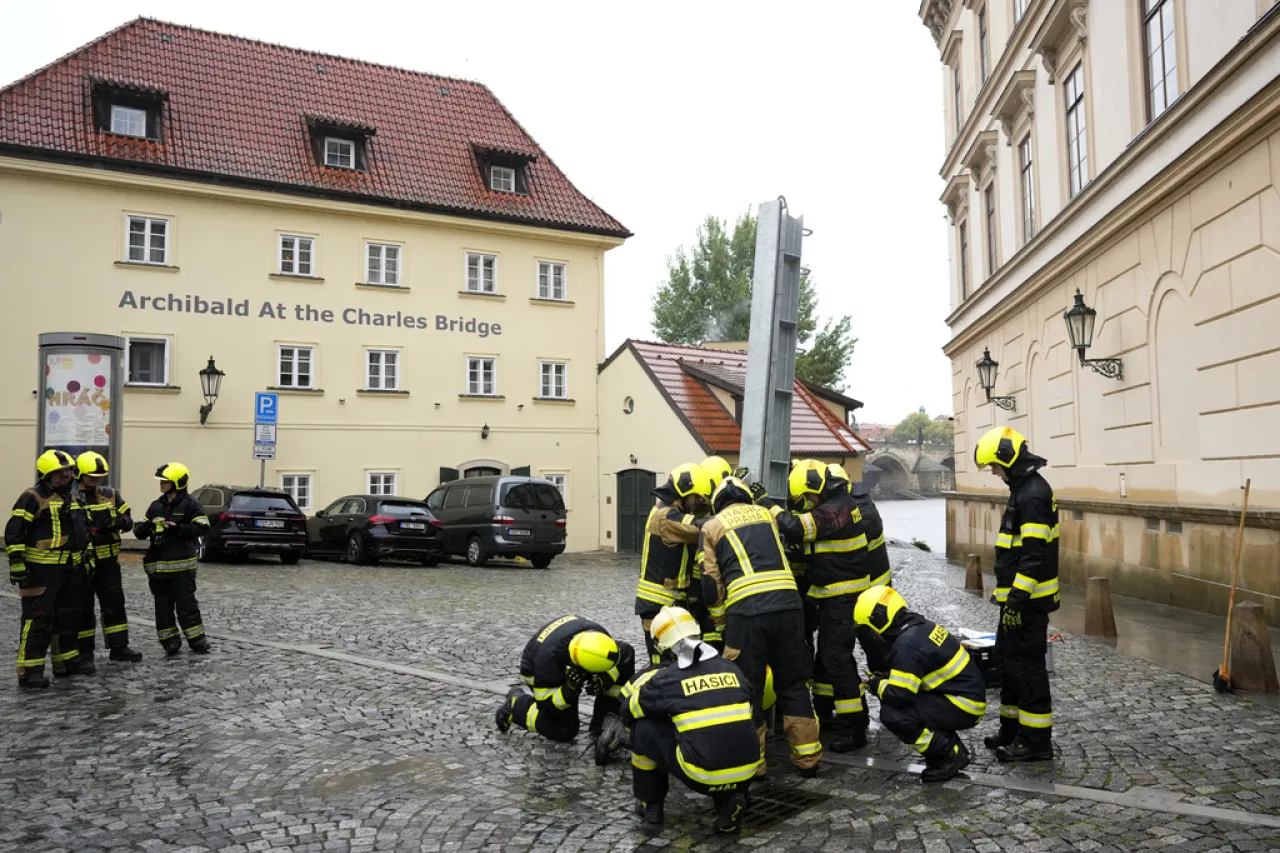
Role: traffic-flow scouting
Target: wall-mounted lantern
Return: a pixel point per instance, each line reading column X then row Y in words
column 210, row 384
column 987, row 380
column 484, row 431
column 1080, row 319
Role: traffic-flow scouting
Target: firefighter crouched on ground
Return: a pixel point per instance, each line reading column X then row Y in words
column 1027, row 590
column 670, row 534
column 108, row 516
column 47, row 541
column 566, row 657
column 932, row 689
column 845, row 555
column 746, row 578
column 174, row 523
column 690, row 718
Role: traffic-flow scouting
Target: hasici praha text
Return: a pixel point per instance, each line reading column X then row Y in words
column 306, row 313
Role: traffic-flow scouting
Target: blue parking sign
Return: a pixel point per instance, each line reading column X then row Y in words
column 266, row 407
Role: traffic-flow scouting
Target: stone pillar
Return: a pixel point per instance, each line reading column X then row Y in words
column 1253, row 667
column 1099, row 618
column 973, row 575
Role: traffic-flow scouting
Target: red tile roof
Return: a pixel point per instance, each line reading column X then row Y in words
column 237, row 110
column 814, row 428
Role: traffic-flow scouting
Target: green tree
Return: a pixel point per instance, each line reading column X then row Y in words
column 909, row 429
column 707, row 296
column 940, row 432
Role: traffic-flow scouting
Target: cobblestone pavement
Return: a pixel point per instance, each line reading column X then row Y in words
column 269, row 745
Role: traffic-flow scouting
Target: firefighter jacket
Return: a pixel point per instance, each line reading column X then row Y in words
column 1027, row 546
column 173, row 549
column 709, row 702
column 666, row 560
column 546, row 658
column 843, row 540
column 743, row 567
column 925, row 657
column 108, row 515
column 46, row 528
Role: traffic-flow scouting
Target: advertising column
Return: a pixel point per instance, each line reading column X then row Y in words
column 81, row 396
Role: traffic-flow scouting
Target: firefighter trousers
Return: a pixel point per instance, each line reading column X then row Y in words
column 105, row 585
column 837, row 684
column 1022, row 641
column 175, row 593
column 560, row 724
column 50, row 599
column 653, row 761
column 928, row 726
column 776, row 640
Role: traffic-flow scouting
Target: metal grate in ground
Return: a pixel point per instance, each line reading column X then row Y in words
column 775, row 803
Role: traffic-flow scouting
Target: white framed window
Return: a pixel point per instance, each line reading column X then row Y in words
column 147, row 361
column 297, row 255
column 482, row 376
column 382, row 264
column 962, row 234
column 298, row 487
column 1026, row 187
column 984, row 53
column 551, row 280
column 1077, row 143
column 502, row 179
column 339, row 153
column 296, row 366
column 128, row 121
column 482, row 272
column 1019, row 9
column 146, row 240
column 989, row 211
column 381, row 483
column 383, row 370
column 553, row 383
column 560, row 480
column 957, row 96
column 1161, row 55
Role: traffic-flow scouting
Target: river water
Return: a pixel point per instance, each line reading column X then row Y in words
column 924, row 520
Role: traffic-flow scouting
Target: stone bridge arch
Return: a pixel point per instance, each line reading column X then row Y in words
column 895, row 473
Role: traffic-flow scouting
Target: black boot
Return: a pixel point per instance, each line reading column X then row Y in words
column 848, row 736
column 125, row 654
column 33, row 678
column 502, row 715
column 200, row 645
column 729, row 811
column 946, row 763
column 172, row 647
column 76, row 666
column 651, row 818
column 1006, row 736
column 1025, row 750
column 613, row 737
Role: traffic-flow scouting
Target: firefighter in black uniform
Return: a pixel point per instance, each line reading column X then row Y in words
column 745, row 577
column 845, row 552
column 690, row 718
column 1027, row 590
column 931, row 689
column 108, row 516
column 47, row 542
column 670, row 534
column 717, row 469
column 566, row 657
column 174, row 523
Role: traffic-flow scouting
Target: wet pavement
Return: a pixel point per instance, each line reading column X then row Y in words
column 350, row 708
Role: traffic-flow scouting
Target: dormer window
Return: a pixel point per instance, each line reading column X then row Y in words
column 339, row 144
column 123, row 109
column 128, row 121
column 502, row 179
column 504, row 171
column 339, row 153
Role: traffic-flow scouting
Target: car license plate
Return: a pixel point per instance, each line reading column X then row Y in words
column 269, row 522
column 516, row 531
column 413, row 525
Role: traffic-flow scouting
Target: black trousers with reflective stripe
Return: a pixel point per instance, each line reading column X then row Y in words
column 1022, row 641
column 656, row 740
column 561, row 724
column 175, row 593
column 836, row 665
column 50, row 618
column 772, row 640
column 933, row 711
column 106, row 586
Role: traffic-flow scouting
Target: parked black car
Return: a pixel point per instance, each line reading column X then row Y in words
column 366, row 528
column 501, row 517
column 250, row 520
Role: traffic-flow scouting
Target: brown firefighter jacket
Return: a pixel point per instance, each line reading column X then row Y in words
column 46, row 529
column 666, row 561
column 108, row 516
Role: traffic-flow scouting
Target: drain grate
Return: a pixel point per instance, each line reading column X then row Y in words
column 773, row 804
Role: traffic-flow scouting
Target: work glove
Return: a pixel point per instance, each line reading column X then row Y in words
column 575, row 678
column 1017, row 600
column 18, row 573
column 874, row 682
column 596, row 685
column 758, row 492
column 157, row 526
column 742, row 473
column 124, row 524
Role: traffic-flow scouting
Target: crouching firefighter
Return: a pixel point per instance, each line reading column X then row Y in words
column 932, row 689
column 690, row 718
column 670, row 534
column 108, row 516
column 567, row 657
column 174, row 523
column 745, row 573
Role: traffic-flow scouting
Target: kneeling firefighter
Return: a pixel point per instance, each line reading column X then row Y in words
column 690, row 718
column 568, row 656
column 932, row 690
column 108, row 517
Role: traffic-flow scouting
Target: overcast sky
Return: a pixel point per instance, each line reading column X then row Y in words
column 664, row 112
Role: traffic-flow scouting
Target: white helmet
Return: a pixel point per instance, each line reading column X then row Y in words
column 671, row 625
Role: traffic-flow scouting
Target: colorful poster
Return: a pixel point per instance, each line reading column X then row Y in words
column 77, row 398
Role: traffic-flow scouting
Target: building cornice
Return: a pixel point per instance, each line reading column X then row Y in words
column 1257, row 117
column 980, row 158
column 1016, row 98
column 1262, row 519
column 936, row 15
column 951, row 45
column 956, row 196
column 1062, row 28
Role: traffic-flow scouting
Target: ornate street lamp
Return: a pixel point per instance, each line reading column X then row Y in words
column 210, row 384
column 987, row 380
column 484, row 431
column 1080, row 319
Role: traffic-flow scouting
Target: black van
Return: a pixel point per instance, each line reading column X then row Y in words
column 500, row 517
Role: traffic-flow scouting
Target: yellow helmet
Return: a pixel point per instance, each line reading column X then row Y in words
column 807, row 478
column 691, row 479
column 671, row 625
column 999, row 446
column 878, row 607
column 836, row 473
column 52, row 461
column 717, row 468
column 176, row 473
column 91, row 464
column 594, row 651
column 730, row 491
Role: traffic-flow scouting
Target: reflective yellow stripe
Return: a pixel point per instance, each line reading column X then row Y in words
column 884, row 579
column 922, row 742
column 975, row 708
column 107, row 551
column 115, row 629
column 655, row 592
column 714, row 716
column 557, row 699
column 193, row 632
column 716, row 777
column 806, row 748
column 717, row 610
column 87, row 635
column 835, row 590
column 935, row 679
column 771, row 581
column 876, row 543
column 65, row 656
column 123, row 510
column 14, row 549
column 166, row 633
column 841, row 546
column 1002, row 594
column 1036, row 590
column 527, row 679
column 23, row 514
column 823, row 689
column 633, row 704
column 162, row 566
column 1036, row 531
column 905, row 680
column 542, row 694
column 1009, row 712
column 643, row 762
column 613, row 692
column 744, row 562
column 810, row 526
column 849, row 706
column 531, row 718
column 1008, row 540
column 1035, row 721
column 22, row 647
